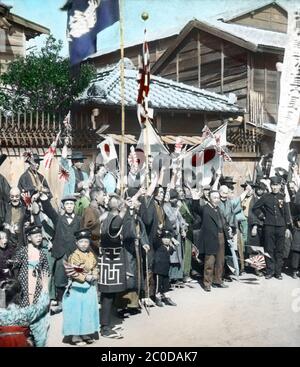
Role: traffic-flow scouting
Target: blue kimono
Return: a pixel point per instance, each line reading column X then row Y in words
column 35, row 316
column 70, row 185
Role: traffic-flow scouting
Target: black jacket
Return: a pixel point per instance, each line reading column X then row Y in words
column 208, row 240
column 272, row 210
column 161, row 262
column 64, row 242
column 26, row 184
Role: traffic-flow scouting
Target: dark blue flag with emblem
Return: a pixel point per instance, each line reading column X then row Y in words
column 86, row 18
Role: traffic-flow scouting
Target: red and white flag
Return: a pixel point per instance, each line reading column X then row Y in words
column 143, row 111
column 107, row 150
column 49, row 155
column 257, row 262
column 205, row 157
column 63, row 174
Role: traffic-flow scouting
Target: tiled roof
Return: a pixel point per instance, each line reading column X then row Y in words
column 258, row 37
column 164, row 94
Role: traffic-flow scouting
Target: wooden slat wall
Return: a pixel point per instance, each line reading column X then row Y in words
column 265, row 81
column 156, row 49
column 207, row 49
column 14, row 47
column 271, row 18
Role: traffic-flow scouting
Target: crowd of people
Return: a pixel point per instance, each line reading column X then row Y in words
column 109, row 251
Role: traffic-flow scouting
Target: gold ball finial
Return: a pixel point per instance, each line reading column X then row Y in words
column 145, row 15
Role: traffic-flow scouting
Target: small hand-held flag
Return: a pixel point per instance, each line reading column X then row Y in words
column 26, row 197
column 85, row 20
column 49, row 155
column 257, row 262
column 63, row 174
column 108, row 150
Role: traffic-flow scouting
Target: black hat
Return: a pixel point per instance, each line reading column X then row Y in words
column 36, row 158
column 132, row 191
column 33, row 229
column 281, row 172
column 83, row 233
column 166, row 234
column 248, row 183
column 77, row 156
column 296, row 217
column 2, row 158
column 206, row 187
column 173, row 194
column 227, row 180
column 69, row 198
column 292, row 156
column 260, row 185
column 275, row 180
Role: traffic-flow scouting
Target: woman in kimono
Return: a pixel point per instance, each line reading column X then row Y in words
column 16, row 321
column 80, row 301
column 32, row 264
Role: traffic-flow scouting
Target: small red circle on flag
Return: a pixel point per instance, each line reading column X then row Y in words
column 209, row 154
column 107, row 149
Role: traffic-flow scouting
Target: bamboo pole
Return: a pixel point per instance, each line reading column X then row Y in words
column 122, row 85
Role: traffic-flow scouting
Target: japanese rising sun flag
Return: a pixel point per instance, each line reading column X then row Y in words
column 143, row 111
column 257, row 262
column 49, row 155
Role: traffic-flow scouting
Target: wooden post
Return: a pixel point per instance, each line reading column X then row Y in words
column 222, row 67
column 177, row 67
column 199, row 59
column 146, row 144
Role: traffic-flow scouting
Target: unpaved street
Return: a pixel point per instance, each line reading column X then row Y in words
column 251, row 312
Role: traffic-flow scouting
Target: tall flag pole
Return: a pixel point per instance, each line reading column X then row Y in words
column 144, row 113
column 122, row 86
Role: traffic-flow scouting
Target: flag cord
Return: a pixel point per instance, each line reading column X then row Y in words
column 122, row 82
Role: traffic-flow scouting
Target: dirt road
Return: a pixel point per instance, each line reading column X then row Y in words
column 251, row 312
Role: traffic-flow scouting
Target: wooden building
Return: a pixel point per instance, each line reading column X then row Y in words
column 231, row 53
column 14, row 32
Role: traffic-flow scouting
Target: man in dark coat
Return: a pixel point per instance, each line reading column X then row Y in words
column 112, row 267
column 212, row 242
column 31, row 180
column 64, row 242
column 136, row 244
column 274, row 211
column 4, row 192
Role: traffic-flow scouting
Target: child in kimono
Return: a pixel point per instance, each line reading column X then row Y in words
column 80, row 302
column 161, row 267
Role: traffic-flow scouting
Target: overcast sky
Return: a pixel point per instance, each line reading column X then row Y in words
column 163, row 14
